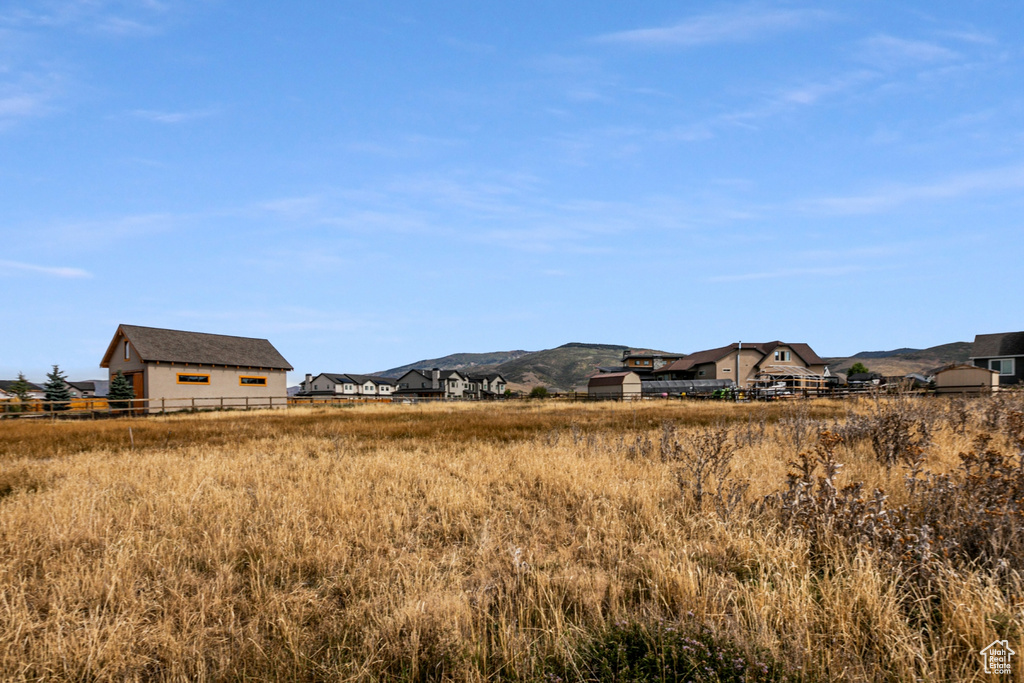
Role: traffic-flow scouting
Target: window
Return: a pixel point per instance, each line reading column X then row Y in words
column 194, row 378
column 1004, row 366
column 251, row 381
column 127, row 350
column 782, row 355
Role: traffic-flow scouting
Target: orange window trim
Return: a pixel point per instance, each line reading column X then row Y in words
column 192, row 374
column 261, row 381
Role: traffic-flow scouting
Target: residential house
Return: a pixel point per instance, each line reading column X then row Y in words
column 645, row 362
column 1003, row 352
column 347, row 384
column 81, row 389
column 745, row 363
column 435, row 383
column 175, row 369
column 615, row 385
column 488, row 386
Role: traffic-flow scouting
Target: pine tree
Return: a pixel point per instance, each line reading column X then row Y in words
column 20, row 388
column 57, row 390
column 120, row 393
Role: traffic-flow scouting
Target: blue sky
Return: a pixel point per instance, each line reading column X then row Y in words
column 369, row 184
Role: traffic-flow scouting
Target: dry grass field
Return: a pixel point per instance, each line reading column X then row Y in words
column 525, row 541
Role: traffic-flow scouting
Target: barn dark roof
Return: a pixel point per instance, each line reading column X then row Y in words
column 1002, row 344
column 610, row 379
column 200, row 348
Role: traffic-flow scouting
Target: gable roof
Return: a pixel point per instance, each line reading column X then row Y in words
column 610, row 379
column 5, row 384
column 363, row 379
column 803, row 351
column 490, row 377
column 154, row 344
column 1001, row 344
column 83, row 386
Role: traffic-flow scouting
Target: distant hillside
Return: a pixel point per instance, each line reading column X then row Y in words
column 903, row 361
column 457, row 361
column 561, row 369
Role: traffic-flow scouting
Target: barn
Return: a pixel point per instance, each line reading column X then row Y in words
column 615, row 385
column 175, row 369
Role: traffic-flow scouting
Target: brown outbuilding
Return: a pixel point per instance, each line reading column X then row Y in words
column 615, row 385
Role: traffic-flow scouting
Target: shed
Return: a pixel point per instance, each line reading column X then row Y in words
column 615, row 385
column 966, row 379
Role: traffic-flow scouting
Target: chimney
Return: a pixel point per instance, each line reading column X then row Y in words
column 435, row 378
column 308, row 384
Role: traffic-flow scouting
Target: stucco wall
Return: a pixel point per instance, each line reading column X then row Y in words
column 162, row 383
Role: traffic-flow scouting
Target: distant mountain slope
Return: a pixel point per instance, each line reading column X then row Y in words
column 457, row 361
column 903, row 361
column 560, row 369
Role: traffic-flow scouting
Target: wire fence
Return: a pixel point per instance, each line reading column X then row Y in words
column 97, row 408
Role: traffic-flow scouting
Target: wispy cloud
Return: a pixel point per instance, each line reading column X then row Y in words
column 173, row 117
column 53, row 271
column 885, row 51
column 100, row 16
column 823, row 271
column 980, row 182
column 742, row 23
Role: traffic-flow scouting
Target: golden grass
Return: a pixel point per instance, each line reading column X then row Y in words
column 445, row 542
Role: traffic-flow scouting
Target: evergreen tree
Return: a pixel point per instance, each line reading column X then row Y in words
column 19, row 389
column 120, row 393
column 858, row 368
column 57, row 389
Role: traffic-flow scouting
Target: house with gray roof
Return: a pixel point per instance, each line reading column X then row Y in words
column 328, row 384
column 175, row 369
column 434, row 383
column 487, row 386
column 1002, row 352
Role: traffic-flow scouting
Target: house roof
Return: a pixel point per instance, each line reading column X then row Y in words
column 963, row 366
column 5, row 384
column 804, row 351
column 609, row 379
column 153, row 344
column 490, row 377
column 84, row 386
column 363, row 379
column 1002, row 344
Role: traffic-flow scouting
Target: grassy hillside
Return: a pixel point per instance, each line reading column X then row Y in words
column 903, row 361
column 561, row 369
column 468, row 362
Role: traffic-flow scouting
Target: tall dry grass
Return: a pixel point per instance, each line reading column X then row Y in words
column 469, row 542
